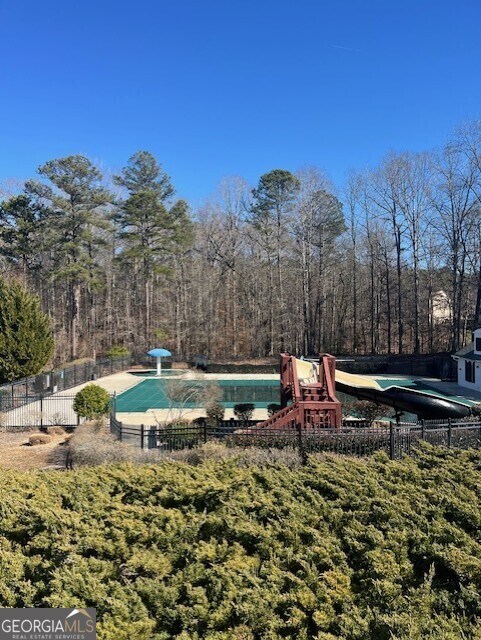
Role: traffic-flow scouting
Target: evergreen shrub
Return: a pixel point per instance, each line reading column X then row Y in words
column 273, row 408
column 341, row 548
column 244, row 411
column 91, row 402
column 26, row 342
column 117, row 351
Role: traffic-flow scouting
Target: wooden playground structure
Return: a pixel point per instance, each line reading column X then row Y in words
column 308, row 397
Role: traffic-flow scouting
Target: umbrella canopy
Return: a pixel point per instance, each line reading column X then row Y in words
column 159, row 353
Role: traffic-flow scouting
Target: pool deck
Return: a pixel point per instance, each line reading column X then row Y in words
column 453, row 389
column 116, row 383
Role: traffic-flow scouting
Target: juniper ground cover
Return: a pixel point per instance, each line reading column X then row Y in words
column 339, row 548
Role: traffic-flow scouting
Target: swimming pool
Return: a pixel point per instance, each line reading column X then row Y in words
column 155, row 393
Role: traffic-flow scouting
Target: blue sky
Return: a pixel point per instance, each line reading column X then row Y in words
column 233, row 87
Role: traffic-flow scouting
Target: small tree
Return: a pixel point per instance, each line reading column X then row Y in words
column 368, row 410
column 26, row 342
column 215, row 413
column 244, row 411
column 91, row 402
column 182, row 394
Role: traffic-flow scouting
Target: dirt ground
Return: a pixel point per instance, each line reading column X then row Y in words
column 16, row 453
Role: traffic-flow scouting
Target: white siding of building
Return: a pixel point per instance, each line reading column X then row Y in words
column 476, row 364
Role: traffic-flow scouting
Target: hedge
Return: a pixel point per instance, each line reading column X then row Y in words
column 337, row 549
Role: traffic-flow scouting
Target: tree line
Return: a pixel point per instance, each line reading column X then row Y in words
column 389, row 262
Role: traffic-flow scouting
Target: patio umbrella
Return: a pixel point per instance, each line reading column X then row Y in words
column 159, row 354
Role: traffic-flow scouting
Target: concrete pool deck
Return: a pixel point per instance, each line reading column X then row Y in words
column 115, row 383
column 453, row 389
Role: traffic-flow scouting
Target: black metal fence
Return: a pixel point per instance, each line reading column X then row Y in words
column 41, row 412
column 38, row 388
column 448, row 433
column 352, row 439
column 35, row 388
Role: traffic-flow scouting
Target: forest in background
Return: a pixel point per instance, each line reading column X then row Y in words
column 389, row 262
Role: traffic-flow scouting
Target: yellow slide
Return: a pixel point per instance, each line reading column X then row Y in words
column 356, row 380
column 307, row 372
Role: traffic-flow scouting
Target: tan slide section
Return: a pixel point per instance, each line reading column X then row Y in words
column 307, row 372
column 355, row 380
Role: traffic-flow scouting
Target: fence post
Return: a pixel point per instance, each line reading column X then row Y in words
column 142, row 429
column 41, row 411
column 391, row 441
column 120, row 431
column 205, row 431
column 450, row 432
column 300, row 443
column 422, row 429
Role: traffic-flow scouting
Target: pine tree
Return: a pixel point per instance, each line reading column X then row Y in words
column 76, row 201
column 22, row 226
column 144, row 173
column 151, row 232
column 273, row 203
column 26, row 342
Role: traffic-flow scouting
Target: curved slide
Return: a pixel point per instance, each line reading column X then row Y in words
column 424, row 402
column 401, row 394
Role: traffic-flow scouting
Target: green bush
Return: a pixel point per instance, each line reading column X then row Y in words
column 91, row 402
column 273, row 408
column 215, row 413
column 26, row 342
column 244, row 411
column 337, row 549
column 117, row 351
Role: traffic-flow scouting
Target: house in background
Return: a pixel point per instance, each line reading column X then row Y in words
column 469, row 363
column 440, row 308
